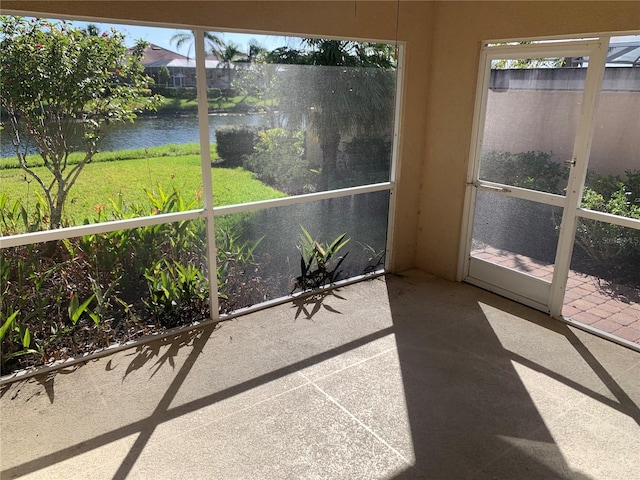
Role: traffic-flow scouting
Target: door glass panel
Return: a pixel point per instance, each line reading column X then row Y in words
column 533, row 106
column 516, row 233
column 603, row 289
column 613, row 175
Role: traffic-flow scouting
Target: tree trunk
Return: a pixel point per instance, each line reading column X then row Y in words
column 55, row 220
column 329, row 145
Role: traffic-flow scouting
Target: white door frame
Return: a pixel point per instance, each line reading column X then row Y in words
column 542, row 295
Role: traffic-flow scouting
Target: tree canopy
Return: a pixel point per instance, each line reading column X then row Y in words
column 345, row 87
column 59, row 82
column 214, row 42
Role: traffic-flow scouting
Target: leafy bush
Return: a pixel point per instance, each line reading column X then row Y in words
column 608, row 185
column 236, row 142
column 108, row 288
column 230, row 92
column 365, row 160
column 164, row 75
column 60, row 83
column 611, row 246
column 279, row 160
column 176, row 291
column 534, row 170
column 186, row 93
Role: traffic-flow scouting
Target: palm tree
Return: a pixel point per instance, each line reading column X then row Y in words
column 181, row 38
column 92, row 30
column 350, row 87
column 228, row 55
column 255, row 51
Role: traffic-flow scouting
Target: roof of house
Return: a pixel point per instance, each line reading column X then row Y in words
column 185, row 63
column 155, row 57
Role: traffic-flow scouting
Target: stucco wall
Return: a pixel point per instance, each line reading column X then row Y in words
column 441, row 61
column 538, row 109
column 522, row 121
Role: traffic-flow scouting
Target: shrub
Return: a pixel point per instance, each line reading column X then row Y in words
column 279, row 160
column 164, row 76
column 609, row 246
column 187, row 93
column 214, row 93
column 365, row 160
column 607, row 249
column 235, row 142
column 534, row 170
column 230, row 92
column 110, row 288
column 319, row 262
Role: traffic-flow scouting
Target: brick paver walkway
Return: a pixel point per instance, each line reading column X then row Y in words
column 589, row 300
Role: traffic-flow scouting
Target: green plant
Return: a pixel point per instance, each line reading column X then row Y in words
column 357, row 94
column 175, row 288
column 534, row 170
column 58, row 80
column 375, row 258
column 279, row 160
column 366, row 160
column 608, row 245
column 319, row 263
column 76, row 309
column 185, row 93
column 164, row 76
column 16, row 218
column 103, row 298
column 238, row 282
column 15, row 338
column 91, row 293
column 235, row 142
column 108, row 288
column 127, row 180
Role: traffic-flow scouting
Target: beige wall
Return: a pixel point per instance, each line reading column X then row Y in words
column 546, row 121
column 442, row 50
column 459, row 30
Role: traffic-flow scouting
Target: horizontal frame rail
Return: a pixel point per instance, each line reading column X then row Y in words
column 300, row 199
column 106, row 227
column 537, row 50
column 609, row 218
column 96, row 228
column 522, row 193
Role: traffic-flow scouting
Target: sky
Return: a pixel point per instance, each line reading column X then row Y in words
column 162, row 37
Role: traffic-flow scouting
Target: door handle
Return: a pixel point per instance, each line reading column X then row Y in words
column 490, row 188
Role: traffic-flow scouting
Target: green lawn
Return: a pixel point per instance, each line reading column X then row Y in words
column 102, row 181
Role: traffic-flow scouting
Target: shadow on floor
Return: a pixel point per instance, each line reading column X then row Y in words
column 463, row 409
column 470, row 414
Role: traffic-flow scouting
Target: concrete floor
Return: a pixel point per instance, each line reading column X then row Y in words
column 396, row 378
